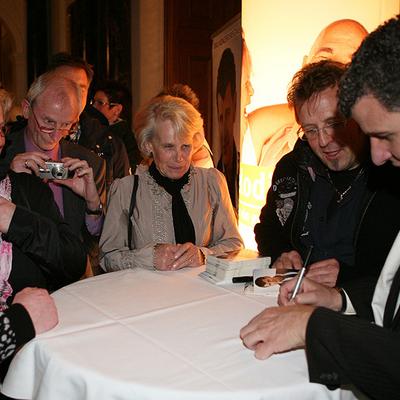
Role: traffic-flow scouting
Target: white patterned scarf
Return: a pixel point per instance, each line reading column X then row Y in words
column 5, row 252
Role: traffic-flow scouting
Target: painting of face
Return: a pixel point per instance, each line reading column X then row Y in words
column 172, row 154
column 226, row 107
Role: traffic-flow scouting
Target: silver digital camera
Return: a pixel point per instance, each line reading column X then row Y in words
column 53, row 170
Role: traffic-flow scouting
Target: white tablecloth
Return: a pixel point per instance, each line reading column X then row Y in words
column 141, row 334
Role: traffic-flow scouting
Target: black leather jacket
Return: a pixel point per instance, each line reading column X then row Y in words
column 282, row 218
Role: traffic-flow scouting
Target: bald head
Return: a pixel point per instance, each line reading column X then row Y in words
column 338, row 41
column 52, row 106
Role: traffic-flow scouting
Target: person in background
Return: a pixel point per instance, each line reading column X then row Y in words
column 326, row 193
column 112, row 100
column 182, row 212
column 228, row 163
column 52, row 107
column 343, row 349
column 203, row 156
column 90, row 133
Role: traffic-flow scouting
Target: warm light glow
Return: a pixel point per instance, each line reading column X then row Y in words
column 279, row 36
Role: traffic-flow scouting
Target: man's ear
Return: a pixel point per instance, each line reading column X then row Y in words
column 117, row 109
column 26, row 107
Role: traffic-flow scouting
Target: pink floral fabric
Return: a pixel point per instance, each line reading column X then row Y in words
column 5, row 252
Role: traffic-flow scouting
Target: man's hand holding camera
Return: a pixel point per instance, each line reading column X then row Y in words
column 29, row 162
column 79, row 179
column 82, row 182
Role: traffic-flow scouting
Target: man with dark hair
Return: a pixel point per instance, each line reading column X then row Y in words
column 325, row 192
column 226, row 111
column 343, row 349
column 90, row 133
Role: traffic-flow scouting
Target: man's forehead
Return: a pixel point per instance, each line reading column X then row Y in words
column 74, row 73
column 56, row 107
column 325, row 100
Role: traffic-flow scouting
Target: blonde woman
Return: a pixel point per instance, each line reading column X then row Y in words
column 182, row 212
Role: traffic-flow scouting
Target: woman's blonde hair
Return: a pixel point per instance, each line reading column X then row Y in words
column 6, row 101
column 185, row 119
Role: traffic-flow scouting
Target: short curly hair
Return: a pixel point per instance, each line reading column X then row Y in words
column 312, row 79
column 375, row 69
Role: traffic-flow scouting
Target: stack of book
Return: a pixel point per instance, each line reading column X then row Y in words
column 221, row 269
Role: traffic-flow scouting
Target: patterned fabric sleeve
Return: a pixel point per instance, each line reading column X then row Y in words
column 16, row 329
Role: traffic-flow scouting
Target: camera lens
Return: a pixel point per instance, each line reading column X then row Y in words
column 58, row 172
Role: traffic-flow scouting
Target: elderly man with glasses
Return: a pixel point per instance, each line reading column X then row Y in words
column 51, row 107
column 326, row 194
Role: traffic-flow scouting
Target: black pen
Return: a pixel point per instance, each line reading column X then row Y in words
column 242, row 279
column 301, row 274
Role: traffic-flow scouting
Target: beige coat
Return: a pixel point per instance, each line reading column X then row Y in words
column 206, row 197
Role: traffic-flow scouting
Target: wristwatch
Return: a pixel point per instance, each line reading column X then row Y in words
column 98, row 211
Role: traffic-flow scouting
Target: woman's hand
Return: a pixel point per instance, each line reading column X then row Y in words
column 188, row 255
column 169, row 257
column 164, row 256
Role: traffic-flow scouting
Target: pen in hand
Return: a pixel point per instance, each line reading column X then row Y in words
column 301, row 274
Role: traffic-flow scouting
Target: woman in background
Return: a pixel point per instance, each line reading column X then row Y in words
column 182, row 212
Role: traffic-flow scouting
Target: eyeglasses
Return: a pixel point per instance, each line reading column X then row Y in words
column 70, row 128
column 4, row 130
column 329, row 129
column 102, row 103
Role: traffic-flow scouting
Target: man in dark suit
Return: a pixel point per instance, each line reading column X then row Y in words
column 52, row 107
column 343, row 349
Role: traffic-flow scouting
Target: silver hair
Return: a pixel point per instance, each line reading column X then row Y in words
column 185, row 119
column 62, row 86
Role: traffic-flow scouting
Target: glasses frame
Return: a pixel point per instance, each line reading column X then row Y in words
column 5, row 129
column 48, row 130
column 102, row 103
column 334, row 125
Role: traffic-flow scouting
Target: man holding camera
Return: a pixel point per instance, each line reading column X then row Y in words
column 51, row 107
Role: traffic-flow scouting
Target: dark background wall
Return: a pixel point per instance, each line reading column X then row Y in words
column 100, row 31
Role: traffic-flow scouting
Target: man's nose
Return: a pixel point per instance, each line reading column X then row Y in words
column 324, row 138
column 379, row 152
